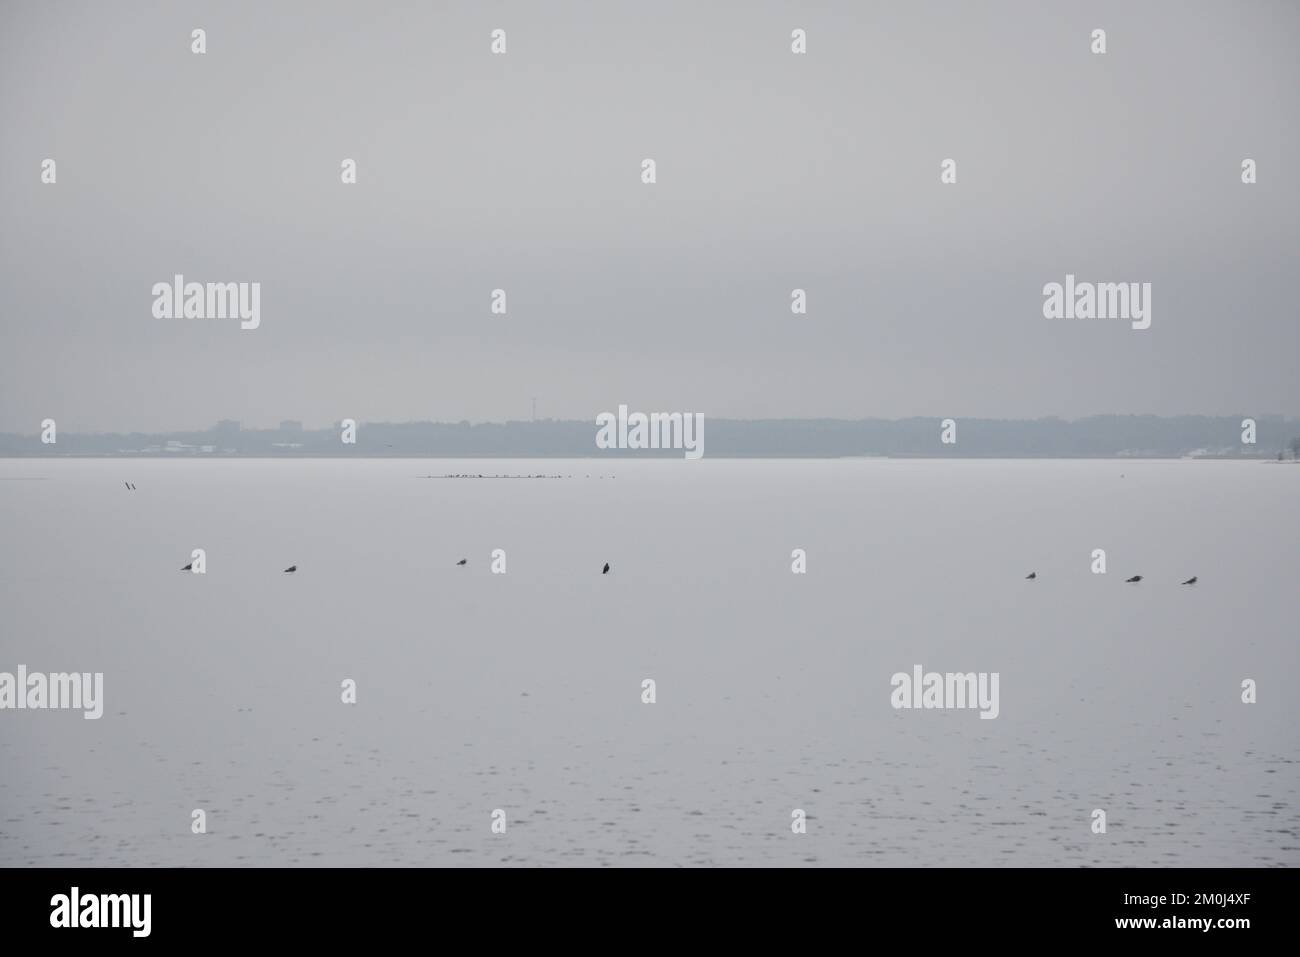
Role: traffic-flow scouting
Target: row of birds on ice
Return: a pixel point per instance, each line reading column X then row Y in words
column 1032, row 576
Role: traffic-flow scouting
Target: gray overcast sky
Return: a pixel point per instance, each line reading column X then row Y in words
column 522, row 171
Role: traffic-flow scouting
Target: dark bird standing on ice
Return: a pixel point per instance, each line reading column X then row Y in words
column 462, row 561
column 1031, row 576
column 188, row 568
column 605, row 570
column 1135, row 578
column 1190, row 581
column 292, row 568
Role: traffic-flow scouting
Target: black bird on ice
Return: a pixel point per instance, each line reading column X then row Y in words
column 292, row 568
column 1135, row 578
column 188, row 568
column 1031, row 576
column 462, row 561
column 605, row 570
column 1190, row 581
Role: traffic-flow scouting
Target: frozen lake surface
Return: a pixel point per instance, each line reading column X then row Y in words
column 522, row 691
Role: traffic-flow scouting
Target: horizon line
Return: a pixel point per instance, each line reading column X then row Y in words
column 239, row 426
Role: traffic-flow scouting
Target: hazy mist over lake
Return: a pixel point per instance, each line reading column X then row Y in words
column 522, row 172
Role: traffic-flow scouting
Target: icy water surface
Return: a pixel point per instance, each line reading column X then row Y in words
column 522, row 691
